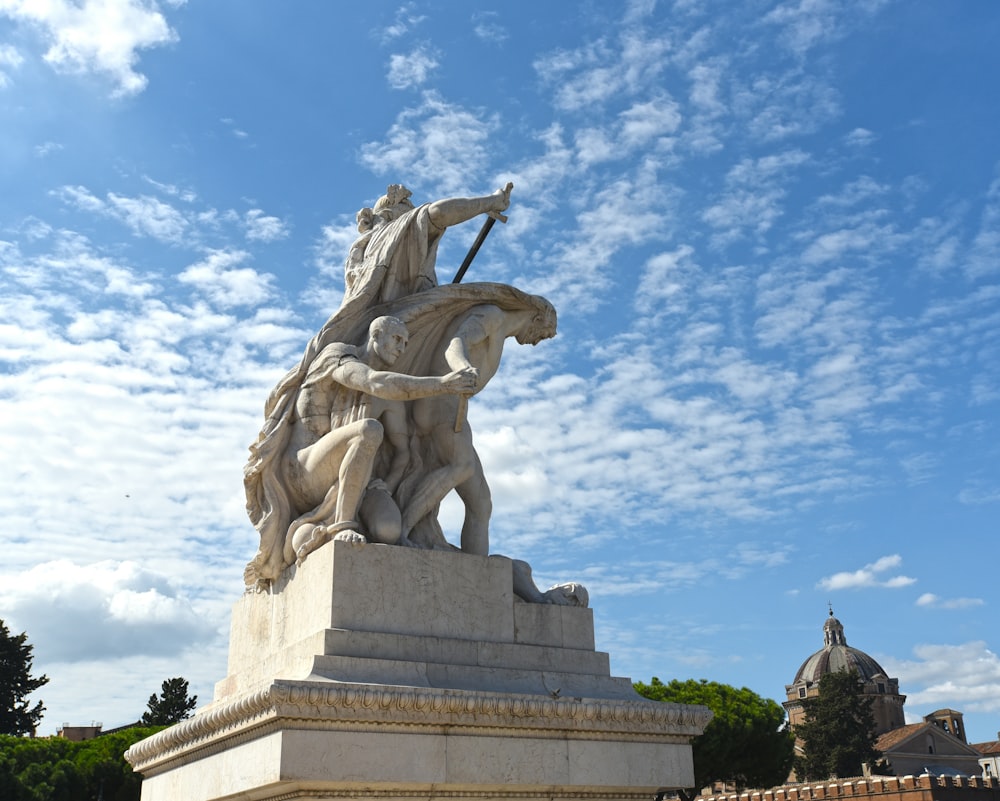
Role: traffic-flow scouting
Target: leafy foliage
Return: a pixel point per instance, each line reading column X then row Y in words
column 838, row 733
column 54, row 769
column 171, row 706
column 746, row 742
column 17, row 715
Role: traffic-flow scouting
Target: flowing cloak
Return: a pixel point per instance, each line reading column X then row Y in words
column 398, row 260
column 428, row 317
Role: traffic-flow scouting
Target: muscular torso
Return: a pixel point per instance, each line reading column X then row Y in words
column 324, row 404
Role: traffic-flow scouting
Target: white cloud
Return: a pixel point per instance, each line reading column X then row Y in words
column 150, row 216
column 868, row 576
column 965, row 676
column 930, row 600
column 410, row 70
column 77, row 612
column 261, row 227
column 860, row 137
column 438, row 144
column 405, row 20
column 145, row 215
column 751, row 202
column 102, row 36
column 486, row 26
column 645, row 121
column 46, row 148
column 804, row 24
column 10, row 59
column 219, row 278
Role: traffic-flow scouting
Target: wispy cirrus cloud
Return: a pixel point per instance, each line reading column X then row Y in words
column 931, row 601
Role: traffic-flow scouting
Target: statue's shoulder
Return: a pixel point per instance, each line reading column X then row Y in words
column 341, row 351
column 334, row 355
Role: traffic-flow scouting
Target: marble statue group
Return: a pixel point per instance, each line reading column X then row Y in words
column 365, row 437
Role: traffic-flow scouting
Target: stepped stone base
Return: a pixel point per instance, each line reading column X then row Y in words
column 376, row 671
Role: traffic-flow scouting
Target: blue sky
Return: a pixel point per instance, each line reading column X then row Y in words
column 771, row 231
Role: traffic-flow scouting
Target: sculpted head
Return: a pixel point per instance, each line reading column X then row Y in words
column 387, row 337
column 394, row 202
column 365, row 219
column 542, row 325
column 569, row 594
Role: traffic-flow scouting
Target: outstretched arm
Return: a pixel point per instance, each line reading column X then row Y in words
column 445, row 213
column 397, row 386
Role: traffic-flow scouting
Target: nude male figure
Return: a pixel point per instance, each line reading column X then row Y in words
column 349, row 403
column 475, row 345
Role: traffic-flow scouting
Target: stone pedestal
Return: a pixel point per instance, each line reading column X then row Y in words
column 376, row 671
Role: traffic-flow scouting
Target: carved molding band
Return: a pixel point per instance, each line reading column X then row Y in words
column 419, row 707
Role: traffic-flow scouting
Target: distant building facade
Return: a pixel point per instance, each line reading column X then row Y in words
column 989, row 757
column 836, row 655
column 929, row 748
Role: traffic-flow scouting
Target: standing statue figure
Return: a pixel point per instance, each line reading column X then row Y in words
column 474, row 343
column 400, row 252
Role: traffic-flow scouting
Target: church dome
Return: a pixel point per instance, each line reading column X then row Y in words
column 836, row 655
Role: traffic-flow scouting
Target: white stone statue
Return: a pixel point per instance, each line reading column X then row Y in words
column 347, row 406
column 353, row 451
column 399, row 253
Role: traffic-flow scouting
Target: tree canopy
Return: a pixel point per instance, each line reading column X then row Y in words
column 17, row 715
column 171, row 706
column 838, row 733
column 746, row 742
column 55, row 769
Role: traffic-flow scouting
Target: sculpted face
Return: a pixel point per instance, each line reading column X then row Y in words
column 389, row 339
column 541, row 326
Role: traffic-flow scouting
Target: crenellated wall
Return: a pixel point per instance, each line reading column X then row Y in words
column 884, row 788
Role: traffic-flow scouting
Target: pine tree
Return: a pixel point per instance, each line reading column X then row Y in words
column 838, row 733
column 17, row 715
column 171, row 706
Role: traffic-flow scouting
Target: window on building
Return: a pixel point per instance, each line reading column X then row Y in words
column 881, row 687
column 802, row 692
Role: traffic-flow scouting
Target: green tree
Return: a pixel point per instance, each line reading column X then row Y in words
column 54, row 769
column 17, row 715
column 171, row 706
column 837, row 735
column 746, row 742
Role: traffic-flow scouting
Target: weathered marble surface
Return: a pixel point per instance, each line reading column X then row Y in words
column 455, row 689
column 391, row 616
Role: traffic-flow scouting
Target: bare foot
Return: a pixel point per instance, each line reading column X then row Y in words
column 350, row 536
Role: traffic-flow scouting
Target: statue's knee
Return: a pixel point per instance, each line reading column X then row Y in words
column 371, row 433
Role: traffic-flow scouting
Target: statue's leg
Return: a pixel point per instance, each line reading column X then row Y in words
column 524, row 584
column 475, row 495
column 341, row 462
column 356, row 467
column 456, row 450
